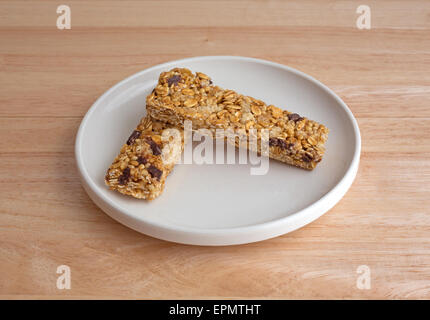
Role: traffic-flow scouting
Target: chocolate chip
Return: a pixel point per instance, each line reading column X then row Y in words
column 210, row 82
column 307, row 158
column 173, row 80
column 295, row 117
column 275, row 142
column 156, row 150
column 155, row 172
column 135, row 134
column 124, row 177
column 142, row 160
column 282, row 144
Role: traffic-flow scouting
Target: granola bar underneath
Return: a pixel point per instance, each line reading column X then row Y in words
column 145, row 160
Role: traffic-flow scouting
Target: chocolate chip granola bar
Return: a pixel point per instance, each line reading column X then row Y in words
column 145, row 160
column 181, row 95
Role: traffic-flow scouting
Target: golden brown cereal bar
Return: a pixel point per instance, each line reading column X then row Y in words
column 145, row 160
column 181, row 95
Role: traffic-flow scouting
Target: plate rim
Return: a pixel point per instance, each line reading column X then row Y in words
column 217, row 236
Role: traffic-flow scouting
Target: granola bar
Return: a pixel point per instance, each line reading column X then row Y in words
column 145, row 160
column 181, row 95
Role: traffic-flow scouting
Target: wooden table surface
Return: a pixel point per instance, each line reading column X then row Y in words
column 50, row 77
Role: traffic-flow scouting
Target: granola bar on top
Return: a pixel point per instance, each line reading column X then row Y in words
column 181, row 95
column 145, row 160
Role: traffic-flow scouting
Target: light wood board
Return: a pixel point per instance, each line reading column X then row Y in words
column 50, row 77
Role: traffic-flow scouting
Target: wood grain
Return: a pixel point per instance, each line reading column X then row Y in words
column 49, row 79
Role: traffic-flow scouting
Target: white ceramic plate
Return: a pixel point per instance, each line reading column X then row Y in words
column 223, row 204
